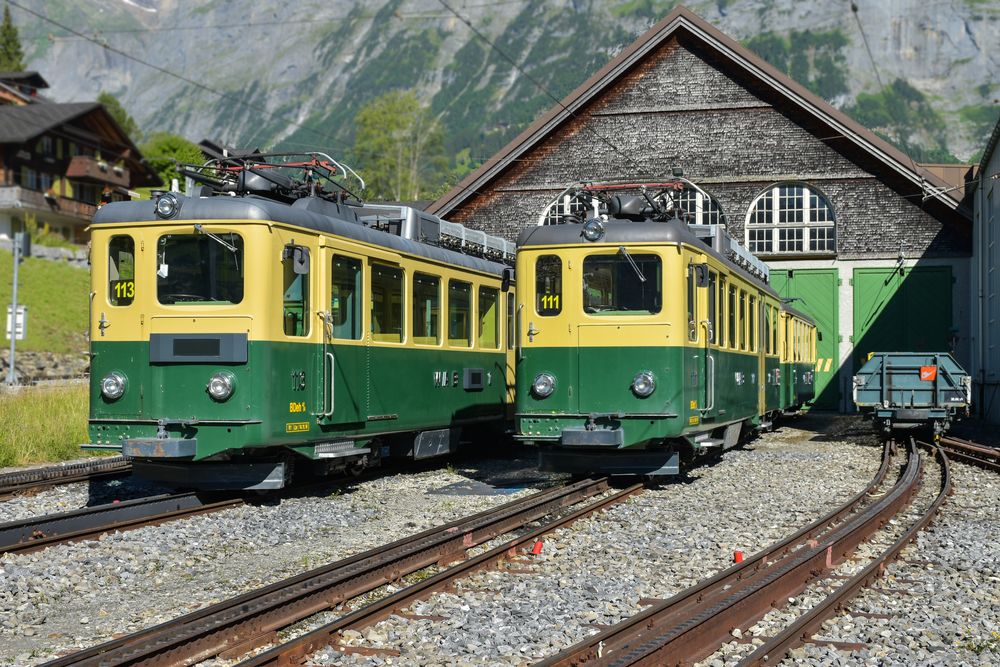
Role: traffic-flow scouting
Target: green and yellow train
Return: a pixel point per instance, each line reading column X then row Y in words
column 267, row 324
column 647, row 341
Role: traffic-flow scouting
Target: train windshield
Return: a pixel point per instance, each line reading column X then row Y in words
column 622, row 284
column 200, row 268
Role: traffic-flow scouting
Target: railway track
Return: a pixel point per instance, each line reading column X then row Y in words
column 966, row 451
column 91, row 522
column 693, row 624
column 233, row 627
column 37, row 479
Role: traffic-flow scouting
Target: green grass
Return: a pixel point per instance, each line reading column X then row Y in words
column 56, row 295
column 40, row 424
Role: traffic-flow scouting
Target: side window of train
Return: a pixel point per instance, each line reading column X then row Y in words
column 713, row 279
column 774, row 330
column 121, row 270
column 345, row 298
column 754, row 313
column 732, row 316
column 548, row 285
column 387, row 304
column 426, row 309
column 489, row 318
column 511, row 318
column 295, row 294
column 743, row 320
column 720, row 333
column 459, row 313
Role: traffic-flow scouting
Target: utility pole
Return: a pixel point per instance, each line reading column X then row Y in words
column 22, row 246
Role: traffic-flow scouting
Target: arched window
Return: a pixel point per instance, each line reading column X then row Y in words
column 790, row 218
column 566, row 205
column 701, row 207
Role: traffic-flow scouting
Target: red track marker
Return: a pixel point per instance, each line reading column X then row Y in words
column 537, row 548
column 737, row 556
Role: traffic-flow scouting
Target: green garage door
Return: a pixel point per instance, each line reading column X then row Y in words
column 901, row 310
column 814, row 292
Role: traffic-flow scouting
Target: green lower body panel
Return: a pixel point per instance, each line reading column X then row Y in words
column 594, row 406
column 319, row 402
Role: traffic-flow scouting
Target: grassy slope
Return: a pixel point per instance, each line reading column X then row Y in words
column 41, row 424
column 56, row 295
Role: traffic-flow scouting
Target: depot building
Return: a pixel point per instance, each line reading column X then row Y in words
column 875, row 247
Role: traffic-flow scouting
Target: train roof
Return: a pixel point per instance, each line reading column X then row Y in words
column 627, row 231
column 313, row 213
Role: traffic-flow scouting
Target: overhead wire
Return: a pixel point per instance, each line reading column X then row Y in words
column 503, row 54
column 255, row 24
column 197, row 84
column 881, row 85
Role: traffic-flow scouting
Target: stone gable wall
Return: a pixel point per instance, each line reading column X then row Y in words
column 678, row 110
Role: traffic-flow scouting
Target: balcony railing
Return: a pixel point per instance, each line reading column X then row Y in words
column 91, row 170
column 17, row 197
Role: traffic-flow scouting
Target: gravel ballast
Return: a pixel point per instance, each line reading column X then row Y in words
column 76, row 595
column 590, row 574
column 596, row 571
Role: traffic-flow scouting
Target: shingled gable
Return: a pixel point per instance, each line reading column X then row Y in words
column 682, row 23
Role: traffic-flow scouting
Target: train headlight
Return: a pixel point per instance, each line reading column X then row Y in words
column 643, row 384
column 543, row 385
column 113, row 386
column 166, row 205
column 221, row 385
column 593, row 229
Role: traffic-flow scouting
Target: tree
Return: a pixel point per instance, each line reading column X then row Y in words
column 117, row 111
column 400, row 147
column 164, row 150
column 11, row 53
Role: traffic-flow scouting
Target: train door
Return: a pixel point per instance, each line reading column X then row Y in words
column 340, row 394
column 760, row 347
column 706, row 278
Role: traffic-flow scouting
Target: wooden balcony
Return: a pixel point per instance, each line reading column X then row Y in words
column 16, row 197
column 99, row 172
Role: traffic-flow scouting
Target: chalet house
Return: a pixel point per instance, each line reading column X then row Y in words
column 875, row 247
column 57, row 161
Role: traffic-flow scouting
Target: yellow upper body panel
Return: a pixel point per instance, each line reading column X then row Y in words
column 556, row 288
column 261, row 310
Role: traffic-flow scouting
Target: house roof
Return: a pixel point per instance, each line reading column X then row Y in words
column 20, row 124
column 683, row 22
column 29, row 78
column 23, row 123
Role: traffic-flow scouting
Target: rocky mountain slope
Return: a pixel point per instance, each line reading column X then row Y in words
column 293, row 75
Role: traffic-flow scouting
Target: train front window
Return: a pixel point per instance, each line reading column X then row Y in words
column 622, row 284
column 121, row 271
column 548, row 285
column 199, row 268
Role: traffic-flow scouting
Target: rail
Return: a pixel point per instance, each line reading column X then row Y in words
column 966, row 451
column 44, row 531
column 773, row 650
column 234, row 626
column 36, row 479
column 295, row 650
column 691, row 625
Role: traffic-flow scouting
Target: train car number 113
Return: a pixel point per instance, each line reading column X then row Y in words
column 124, row 289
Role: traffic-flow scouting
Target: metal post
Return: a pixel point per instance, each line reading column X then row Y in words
column 11, row 375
